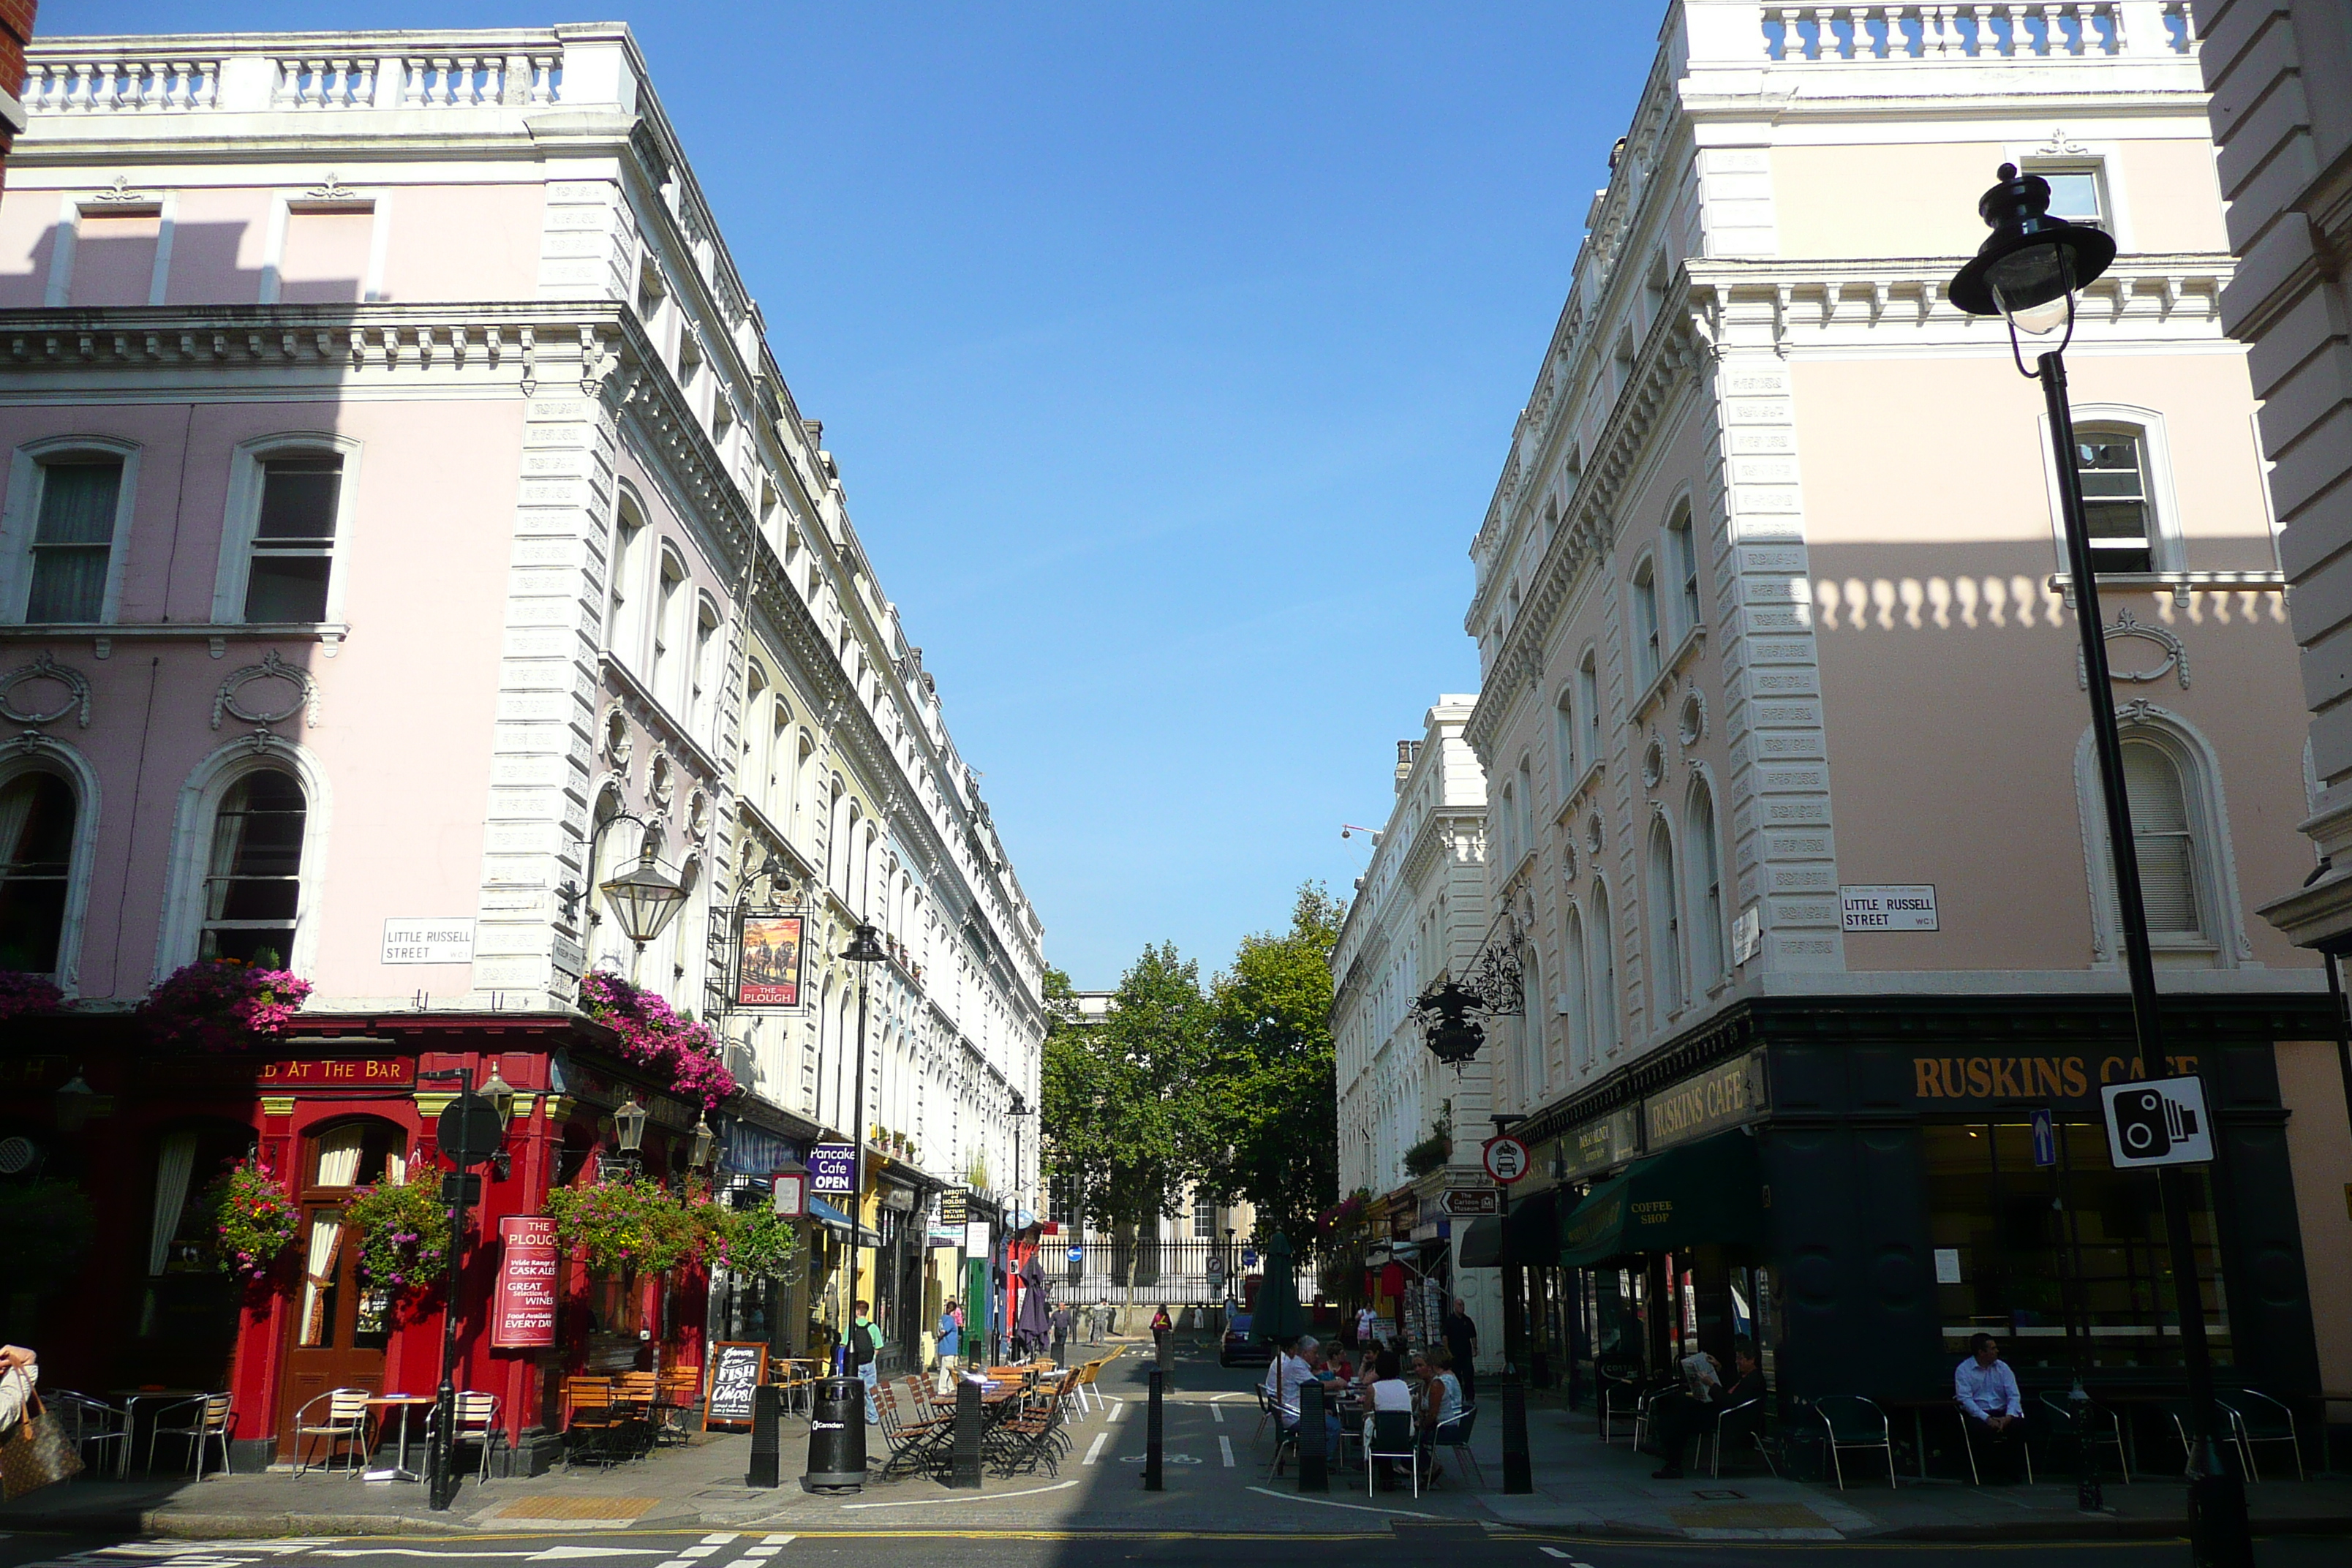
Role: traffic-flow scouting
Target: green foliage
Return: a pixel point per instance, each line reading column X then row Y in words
column 1124, row 1107
column 46, row 1226
column 403, row 1231
column 1432, row 1152
column 252, row 1217
column 756, row 1243
column 624, row 1225
column 1273, row 1084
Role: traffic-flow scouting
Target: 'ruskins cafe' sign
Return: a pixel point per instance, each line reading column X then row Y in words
column 1939, row 1081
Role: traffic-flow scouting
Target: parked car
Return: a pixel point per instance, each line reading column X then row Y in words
column 1238, row 1348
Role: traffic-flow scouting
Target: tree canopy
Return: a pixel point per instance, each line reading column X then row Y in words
column 1229, row 1089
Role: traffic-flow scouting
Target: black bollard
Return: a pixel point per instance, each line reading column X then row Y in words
column 1153, row 1435
column 1518, row 1478
column 836, row 1454
column 767, row 1447
column 1314, row 1462
column 963, row 1463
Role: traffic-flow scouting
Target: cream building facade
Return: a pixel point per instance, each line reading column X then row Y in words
column 1792, row 819
column 1419, row 917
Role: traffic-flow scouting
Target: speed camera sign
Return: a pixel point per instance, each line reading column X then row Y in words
column 2158, row 1121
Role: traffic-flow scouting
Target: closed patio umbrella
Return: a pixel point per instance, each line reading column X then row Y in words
column 1030, row 1319
column 1278, row 1315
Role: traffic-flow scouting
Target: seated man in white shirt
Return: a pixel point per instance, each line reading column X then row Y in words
column 1291, row 1370
column 1985, row 1390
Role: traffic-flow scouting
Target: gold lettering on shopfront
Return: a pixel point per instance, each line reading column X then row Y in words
column 2024, row 1077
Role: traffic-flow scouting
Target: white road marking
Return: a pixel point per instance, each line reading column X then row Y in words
column 563, row 1553
column 1352, row 1506
column 1225, row 1447
column 1217, row 1413
column 1553, row 1551
column 1117, row 1409
column 1094, row 1450
column 990, row 1497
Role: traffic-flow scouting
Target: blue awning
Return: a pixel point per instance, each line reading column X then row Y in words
column 827, row 1214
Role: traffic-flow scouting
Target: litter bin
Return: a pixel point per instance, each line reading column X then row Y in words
column 837, row 1451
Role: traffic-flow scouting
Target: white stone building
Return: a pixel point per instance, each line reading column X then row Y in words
column 1419, row 917
column 1792, row 820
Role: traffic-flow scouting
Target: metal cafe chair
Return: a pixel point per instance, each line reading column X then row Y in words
column 2100, row 1425
column 477, row 1423
column 345, row 1421
column 1389, row 1435
column 1969, row 1445
column 2256, row 1417
column 202, row 1420
column 1748, row 1416
column 1855, row 1423
column 1455, row 1435
column 91, row 1424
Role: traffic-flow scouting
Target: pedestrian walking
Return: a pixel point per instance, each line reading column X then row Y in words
column 1462, row 1341
column 1064, row 1321
column 864, row 1345
column 1161, row 1328
column 950, row 1342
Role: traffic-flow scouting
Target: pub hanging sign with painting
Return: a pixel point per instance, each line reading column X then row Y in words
column 769, row 960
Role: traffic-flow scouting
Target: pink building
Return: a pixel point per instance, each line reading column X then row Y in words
column 397, row 489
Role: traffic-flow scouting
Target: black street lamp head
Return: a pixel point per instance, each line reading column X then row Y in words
column 864, row 946
column 2030, row 266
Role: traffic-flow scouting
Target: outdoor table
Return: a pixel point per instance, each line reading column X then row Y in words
column 403, row 1405
column 131, row 1398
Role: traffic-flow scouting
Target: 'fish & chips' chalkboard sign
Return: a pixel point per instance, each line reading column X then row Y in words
column 737, row 1367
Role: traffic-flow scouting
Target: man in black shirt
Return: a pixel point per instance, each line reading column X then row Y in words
column 1677, row 1416
column 1462, row 1340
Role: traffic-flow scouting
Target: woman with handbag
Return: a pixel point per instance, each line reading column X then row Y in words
column 34, row 1450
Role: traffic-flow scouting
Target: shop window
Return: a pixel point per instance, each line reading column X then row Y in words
column 253, row 881
column 2064, row 1263
column 359, row 1154
column 37, row 839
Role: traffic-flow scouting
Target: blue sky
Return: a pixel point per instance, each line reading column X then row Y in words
column 1169, row 353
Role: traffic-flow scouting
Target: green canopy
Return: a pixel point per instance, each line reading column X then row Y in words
column 1276, row 1315
column 1710, row 1191
column 1529, row 1234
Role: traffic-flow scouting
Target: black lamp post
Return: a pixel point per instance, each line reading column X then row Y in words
column 864, row 949
column 2028, row 271
column 472, row 1131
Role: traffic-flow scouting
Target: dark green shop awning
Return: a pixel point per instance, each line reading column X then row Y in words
column 1708, row 1192
column 1528, row 1235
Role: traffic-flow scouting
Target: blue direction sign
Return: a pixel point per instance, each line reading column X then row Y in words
column 833, row 1168
column 1077, row 1255
column 2045, row 1140
column 1249, row 1257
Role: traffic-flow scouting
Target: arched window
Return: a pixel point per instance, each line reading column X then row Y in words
column 759, row 738
column 670, row 636
column 702, row 698
column 772, row 780
column 1709, row 937
column 69, row 508
column 1587, row 704
column 1507, row 854
column 37, row 822
column 253, row 877
column 1563, row 737
column 1643, row 609
column 1575, row 992
column 1603, row 971
column 290, row 510
column 1681, row 557
column 625, row 604
column 2181, row 842
column 1524, row 831
column 1666, row 976
column 2163, row 842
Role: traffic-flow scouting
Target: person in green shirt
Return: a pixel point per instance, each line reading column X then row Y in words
column 865, row 1343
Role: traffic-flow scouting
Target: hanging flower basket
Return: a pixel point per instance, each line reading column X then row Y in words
column 26, row 995
column 624, row 1225
column 686, row 1054
column 222, row 1005
column 253, row 1219
column 403, row 1232
column 752, row 1244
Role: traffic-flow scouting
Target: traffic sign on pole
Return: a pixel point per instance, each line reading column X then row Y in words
column 1505, row 1158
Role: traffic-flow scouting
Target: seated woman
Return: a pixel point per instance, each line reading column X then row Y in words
column 1441, row 1396
column 1388, row 1392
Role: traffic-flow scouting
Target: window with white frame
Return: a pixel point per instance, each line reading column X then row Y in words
column 624, row 611
column 70, row 556
column 1643, row 609
column 2111, row 465
column 1667, row 974
column 1204, row 1219
column 702, row 696
column 1602, row 971
column 1505, row 853
column 1709, row 940
column 2180, row 844
column 253, row 875
column 1681, row 556
column 1564, row 739
column 670, row 606
column 1524, row 831
column 293, row 549
column 1576, row 990
column 1588, row 703
column 2077, row 192
column 39, row 815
